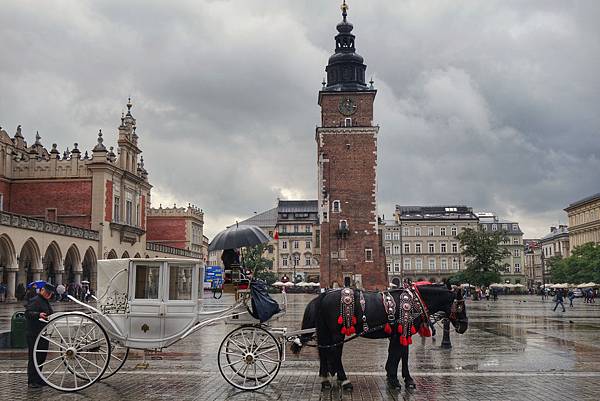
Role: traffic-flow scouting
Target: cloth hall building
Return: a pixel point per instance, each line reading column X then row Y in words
column 60, row 213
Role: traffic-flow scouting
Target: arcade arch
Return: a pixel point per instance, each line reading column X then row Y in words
column 30, row 263
column 125, row 255
column 73, row 265
column 8, row 265
column 52, row 262
column 89, row 267
column 112, row 255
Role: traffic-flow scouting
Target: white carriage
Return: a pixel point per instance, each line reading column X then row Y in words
column 150, row 304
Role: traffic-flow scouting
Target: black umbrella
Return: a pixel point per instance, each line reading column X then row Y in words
column 238, row 236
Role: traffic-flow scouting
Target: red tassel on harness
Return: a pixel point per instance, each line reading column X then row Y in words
column 353, row 320
column 351, row 331
column 387, row 329
column 424, row 331
column 409, row 341
column 413, row 329
column 400, row 329
column 340, row 319
column 403, row 341
column 344, row 330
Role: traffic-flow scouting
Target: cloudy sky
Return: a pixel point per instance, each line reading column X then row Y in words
column 492, row 104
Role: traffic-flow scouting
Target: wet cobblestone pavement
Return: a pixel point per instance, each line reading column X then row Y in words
column 515, row 349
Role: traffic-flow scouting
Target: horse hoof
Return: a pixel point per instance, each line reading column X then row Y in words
column 325, row 385
column 346, row 385
column 394, row 383
column 410, row 383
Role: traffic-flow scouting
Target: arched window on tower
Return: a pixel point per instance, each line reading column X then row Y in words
column 348, row 122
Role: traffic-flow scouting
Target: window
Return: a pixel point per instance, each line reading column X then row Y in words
column 284, row 260
column 406, row 247
column 443, row 247
column 407, row 264
column 389, row 266
column 418, row 248
column 505, row 227
column 51, row 214
column 453, row 231
column 1, row 201
column 431, row 231
column 417, row 231
column 325, row 216
column 517, row 252
column 307, row 261
column 418, row 264
column 180, row 282
column 431, row 264
column 308, row 229
column 296, row 244
column 335, row 206
column 405, row 231
column 128, row 212
column 388, row 250
column 444, row 264
column 516, row 241
column 296, row 260
column 454, row 247
column 388, row 236
column 396, row 249
column 517, row 268
column 443, row 231
column 146, row 281
column 307, row 244
column 283, row 229
column 515, row 227
column 348, row 122
column 270, row 249
column 296, row 228
column 396, row 236
column 271, row 234
column 368, row 255
column 484, row 227
column 117, row 210
column 494, row 227
column 283, row 244
column 431, row 247
column 396, row 266
column 455, row 264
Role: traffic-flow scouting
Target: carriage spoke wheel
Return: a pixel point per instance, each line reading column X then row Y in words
column 118, row 357
column 71, row 352
column 249, row 358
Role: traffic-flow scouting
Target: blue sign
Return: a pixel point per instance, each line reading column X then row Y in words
column 213, row 273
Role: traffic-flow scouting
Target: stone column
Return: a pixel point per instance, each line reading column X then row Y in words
column 58, row 278
column 37, row 275
column 77, row 277
column 12, row 285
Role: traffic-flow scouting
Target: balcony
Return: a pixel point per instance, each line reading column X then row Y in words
column 130, row 234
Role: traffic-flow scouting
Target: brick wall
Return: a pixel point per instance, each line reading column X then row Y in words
column 167, row 230
column 331, row 116
column 108, row 202
column 72, row 200
column 5, row 191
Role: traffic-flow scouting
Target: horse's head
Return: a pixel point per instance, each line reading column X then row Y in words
column 442, row 299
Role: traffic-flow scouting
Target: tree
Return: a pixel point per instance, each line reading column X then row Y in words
column 581, row 267
column 484, row 256
column 255, row 261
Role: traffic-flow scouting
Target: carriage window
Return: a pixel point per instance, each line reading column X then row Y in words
column 180, row 282
column 146, row 281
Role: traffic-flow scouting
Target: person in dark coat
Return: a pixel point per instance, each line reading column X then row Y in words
column 559, row 300
column 37, row 308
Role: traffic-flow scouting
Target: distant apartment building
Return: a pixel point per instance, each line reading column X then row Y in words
column 178, row 227
column 295, row 248
column 421, row 244
column 556, row 243
column 584, row 221
column 514, row 272
column 533, row 263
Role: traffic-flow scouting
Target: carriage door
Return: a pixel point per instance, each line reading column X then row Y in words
column 181, row 304
column 146, row 307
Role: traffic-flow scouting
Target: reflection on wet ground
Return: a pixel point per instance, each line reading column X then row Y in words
column 515, row 348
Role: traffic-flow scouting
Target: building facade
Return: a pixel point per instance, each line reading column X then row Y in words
column 421, row 244
column 514, row 272
column 584, row 221
column 351, row 252
column 535, row 276
column 62, row 212
column 179, row 227
column 556, row 243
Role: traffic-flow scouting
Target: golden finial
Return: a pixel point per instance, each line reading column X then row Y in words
column 344, row 7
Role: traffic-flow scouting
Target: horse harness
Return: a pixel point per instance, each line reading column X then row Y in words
column 400, row 315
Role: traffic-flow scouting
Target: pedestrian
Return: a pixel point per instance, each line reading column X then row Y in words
column 37, row 308
column 487, row 294
column 571, row 296
column 2, row 292
column 60, row 290
column 558, row 298
column 494, row 294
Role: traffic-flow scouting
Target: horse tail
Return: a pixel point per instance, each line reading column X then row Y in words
column 309, row 321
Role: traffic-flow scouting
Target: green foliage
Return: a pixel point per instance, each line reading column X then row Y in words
column 581, row 267
column 255, row 261
column 484, row 256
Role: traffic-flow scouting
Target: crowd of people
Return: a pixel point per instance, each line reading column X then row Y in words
column 81, row 291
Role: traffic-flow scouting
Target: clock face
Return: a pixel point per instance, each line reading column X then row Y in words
column 347, row 106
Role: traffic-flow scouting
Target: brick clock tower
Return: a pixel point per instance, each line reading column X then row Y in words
column 351, row 250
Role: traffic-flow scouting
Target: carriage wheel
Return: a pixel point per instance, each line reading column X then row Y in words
column 249, row 357
column 71, row 352
column 118, row 357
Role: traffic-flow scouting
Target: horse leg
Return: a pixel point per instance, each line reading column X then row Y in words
column 324, row 369
column 408, row 380
column 339, row 368
column 391, row 365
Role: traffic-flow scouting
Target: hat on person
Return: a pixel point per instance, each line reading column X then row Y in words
column 49, row 287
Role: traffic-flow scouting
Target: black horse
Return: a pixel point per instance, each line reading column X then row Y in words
column 323, row 313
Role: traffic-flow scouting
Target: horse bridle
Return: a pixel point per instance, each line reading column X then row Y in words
column 458, row 306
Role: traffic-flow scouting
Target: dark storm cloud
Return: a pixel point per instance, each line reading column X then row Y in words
column 491, row 104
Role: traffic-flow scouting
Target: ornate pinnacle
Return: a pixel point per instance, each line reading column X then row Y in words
column 129, row 106
column 344, row 8
column 99, row 146
column 37, row 138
